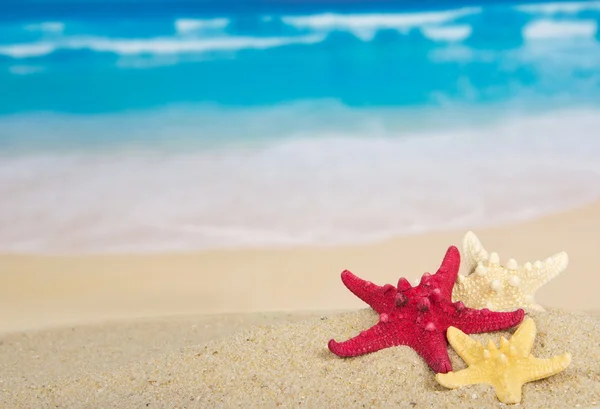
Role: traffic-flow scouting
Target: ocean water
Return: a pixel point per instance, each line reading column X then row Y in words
column 131, row 127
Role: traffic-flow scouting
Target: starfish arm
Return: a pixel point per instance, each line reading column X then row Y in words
column 536, row 307
column 509, row 389
column 433, row 348
column 448, row 271
column 524, row 337
column 476, row 321
column 466, row 347
column 380, row 298
column 473, row 251
column 453, row 380
column 535, row 368
column 549, row 269
column 374, row 339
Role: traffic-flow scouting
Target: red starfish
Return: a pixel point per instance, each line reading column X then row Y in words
column 419, row 316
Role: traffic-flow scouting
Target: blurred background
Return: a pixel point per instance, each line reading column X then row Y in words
column 143, row 126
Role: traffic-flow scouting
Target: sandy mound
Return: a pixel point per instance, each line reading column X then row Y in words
column 288, row 365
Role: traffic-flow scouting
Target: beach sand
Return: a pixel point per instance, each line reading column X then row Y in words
column 184, row 330
column 167, row 364
column 46, row 291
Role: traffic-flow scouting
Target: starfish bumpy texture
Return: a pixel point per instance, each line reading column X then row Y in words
column 506, row 368
column 502, row 288
column 419, row 316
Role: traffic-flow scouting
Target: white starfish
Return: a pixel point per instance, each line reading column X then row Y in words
column 502, row 288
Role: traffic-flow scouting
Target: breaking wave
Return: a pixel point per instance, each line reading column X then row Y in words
column 313, row 187
column 262, row 31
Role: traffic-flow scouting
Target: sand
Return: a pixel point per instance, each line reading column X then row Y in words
column 166, row 364
column 46, row 291
column 249, row 327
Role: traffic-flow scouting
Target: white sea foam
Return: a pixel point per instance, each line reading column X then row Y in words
column 165, row 45
column 48, row 27
column 559, row 7
column 331, row 21
column 548, row 29
column 324, row 188
column 27, row 49
column 365, row 26
column 186, row 25
column 448, row 33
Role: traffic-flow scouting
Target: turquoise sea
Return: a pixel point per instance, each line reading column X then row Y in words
column 166, row 126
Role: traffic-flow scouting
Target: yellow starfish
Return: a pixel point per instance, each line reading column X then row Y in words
column 502, row 288
column 506, row 368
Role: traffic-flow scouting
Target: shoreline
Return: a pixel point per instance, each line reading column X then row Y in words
column 50, row 291
column 233, row 208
